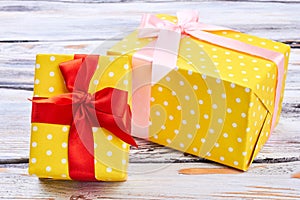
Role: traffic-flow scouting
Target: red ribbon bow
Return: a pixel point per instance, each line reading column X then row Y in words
column 81, row 110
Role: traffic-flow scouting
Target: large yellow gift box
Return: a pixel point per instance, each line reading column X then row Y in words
column 63, row 146
column 217, row 102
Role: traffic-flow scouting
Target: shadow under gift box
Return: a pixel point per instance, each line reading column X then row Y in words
column 49, row 142
column 217, row 103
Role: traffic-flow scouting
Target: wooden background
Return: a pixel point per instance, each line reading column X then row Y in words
column 69, row 26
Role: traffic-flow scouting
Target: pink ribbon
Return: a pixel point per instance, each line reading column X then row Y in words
column 163, row 55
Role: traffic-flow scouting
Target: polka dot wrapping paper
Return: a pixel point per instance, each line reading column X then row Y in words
column 49, row 142
column 217, row 103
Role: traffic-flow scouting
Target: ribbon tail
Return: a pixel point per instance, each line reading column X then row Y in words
column 81, row 151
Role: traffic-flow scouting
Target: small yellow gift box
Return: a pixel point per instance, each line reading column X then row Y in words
column 80, row 118
column 222, row 97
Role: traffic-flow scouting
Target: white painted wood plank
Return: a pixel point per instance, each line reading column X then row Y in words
column 47, row 20
column 161, row 181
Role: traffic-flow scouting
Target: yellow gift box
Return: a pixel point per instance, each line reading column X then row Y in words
column 218, row 102
column 49, row 142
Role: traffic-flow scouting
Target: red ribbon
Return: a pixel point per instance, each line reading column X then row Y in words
column 106, row 108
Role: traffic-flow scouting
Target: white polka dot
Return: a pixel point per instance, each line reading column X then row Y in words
column 242, row 64
column 189, row 136
column 222, row 158
column 200, row 102
column 229, row 67
column 33, row 160
column 239, row 140
column 178, row 107
column 214, row 106
column 248, row 129
column 236, row 163
column 220, row 121
column 34, row 144
column 124, row 145
column 65, row 129
column 218, row 80
column 37, row 66
column 49, row 136
column 238, row 100
column 206, row 116
column 160, row 89
column 48, row 168
column 263, row 43
column 230, row 149
column 203, row 140
column 108, row 169
column 197, row 126
column 168, row 78
column 181, row 145
column 168, row 141
column 157, row 113
column 166, row 103
column 276, row 47
column 228, row 60
column 209, row 91
column 126, row 66
column 171, row 117
column 52, row 58
column 195, row 149
column 109, row 153
column 64, row 176
column 155, row 136
column 190, row 72
column 231, row 75
column 217, row 145
column 124, row 162
column 184, row 121
column 229, row 110
column 163, row 127
column 234, row 125
column 96, row 82
column 258, row 76
column 109, row 137
column 243, row 115
column 225, row 135
column 223, row 95
column 51, row 89
column 63, row 161
column 51, row 74
column 181, row 83
column 37, row 81
column 203, row 76
column 34, row 128
column 49, row 152
column 214, row 56
column 152, row 99
column 256, row 68
column 64, row 145
column 214, row 49
column 232, row 85
column 195, row 87
column 125, row 82
column 95, row 146
column 268, row 65
column 244, row 72
column 202, row 59
column 251, row 104
column 173, row 93
column 94, row 129
column 240, row 57
column 176, row 131
column 211, row 131
column 250, row 39
column 247, row 90
column 111, row 74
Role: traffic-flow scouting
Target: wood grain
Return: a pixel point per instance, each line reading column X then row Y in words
column 80, row 26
